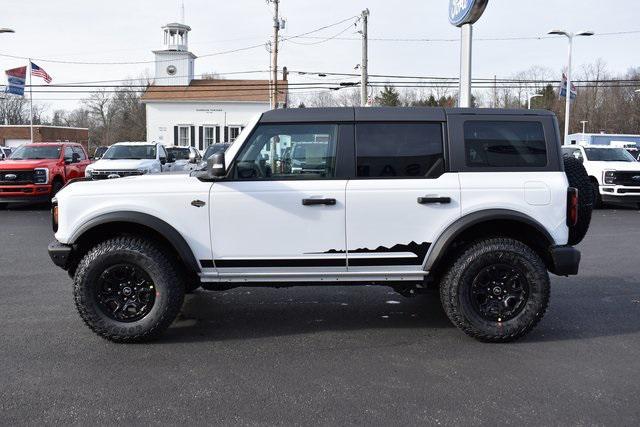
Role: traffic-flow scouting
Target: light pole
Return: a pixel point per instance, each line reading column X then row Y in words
column 537, row 95
column 569, row 36
column 584, row 125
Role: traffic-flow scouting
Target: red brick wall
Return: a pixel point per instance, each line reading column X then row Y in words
column 45, row 134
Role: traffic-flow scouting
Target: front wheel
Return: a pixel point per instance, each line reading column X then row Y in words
column 126, row 290
column 497, row 290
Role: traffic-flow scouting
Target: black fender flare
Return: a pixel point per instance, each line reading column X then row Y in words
column 449, row 235
column 161, row 227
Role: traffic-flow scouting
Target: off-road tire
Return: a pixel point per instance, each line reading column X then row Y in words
column 456, row 285
column 578, row 178
column 152, row 260
column 55, row 187
column 3, row 206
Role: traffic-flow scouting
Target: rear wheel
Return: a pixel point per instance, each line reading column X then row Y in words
column 3, row 206
column 126, row 290
column 496, row 291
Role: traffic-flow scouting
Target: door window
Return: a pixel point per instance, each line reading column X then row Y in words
column 289, row 151
column 399, row 150
column 504, row 144
column 80, row 152
column 68, row 154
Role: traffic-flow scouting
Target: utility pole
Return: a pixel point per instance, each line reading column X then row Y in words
column 364, row 67
column 274, row 54
column 285, row 78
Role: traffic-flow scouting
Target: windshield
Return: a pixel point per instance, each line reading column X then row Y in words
column 36, row 152
column 608, row 155
column 215, row 148
column 134, row 152
column 179, row 153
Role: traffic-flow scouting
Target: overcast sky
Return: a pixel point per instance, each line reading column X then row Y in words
column 128, row 30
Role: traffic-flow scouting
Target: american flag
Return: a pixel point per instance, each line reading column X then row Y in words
column 39, row 72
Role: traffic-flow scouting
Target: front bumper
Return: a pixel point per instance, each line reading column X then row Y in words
column 60, row 254
column 27, row 193
column 566, row 260
column 619, row 193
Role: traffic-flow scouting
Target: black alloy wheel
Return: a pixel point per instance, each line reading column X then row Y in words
column 499, row 292
column 125, row 293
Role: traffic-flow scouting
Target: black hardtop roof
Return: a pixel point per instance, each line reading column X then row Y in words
column 393, row 114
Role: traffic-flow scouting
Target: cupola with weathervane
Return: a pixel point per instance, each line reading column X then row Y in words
column 174, row 63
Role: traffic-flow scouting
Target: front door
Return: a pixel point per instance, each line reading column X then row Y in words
column 402, row 197
column 282, row 208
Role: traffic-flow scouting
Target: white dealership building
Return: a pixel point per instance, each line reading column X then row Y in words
column 185, row 111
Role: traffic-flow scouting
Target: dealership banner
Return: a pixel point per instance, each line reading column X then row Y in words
column 15, row 79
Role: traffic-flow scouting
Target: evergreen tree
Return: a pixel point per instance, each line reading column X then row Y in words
column 389, row 97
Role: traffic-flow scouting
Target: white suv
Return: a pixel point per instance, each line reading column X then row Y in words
column 130, row 159
column 186, row 159
column 475, row 202
column 614, row 172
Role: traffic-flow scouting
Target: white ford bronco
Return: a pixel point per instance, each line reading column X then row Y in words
column 474, row 202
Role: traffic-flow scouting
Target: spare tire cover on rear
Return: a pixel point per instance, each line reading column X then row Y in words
column 578, row 178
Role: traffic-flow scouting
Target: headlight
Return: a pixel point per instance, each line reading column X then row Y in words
column 609, row 177
column 41, row 176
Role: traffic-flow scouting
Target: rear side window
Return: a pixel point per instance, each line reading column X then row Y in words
column 399, row 150
column 504, row 144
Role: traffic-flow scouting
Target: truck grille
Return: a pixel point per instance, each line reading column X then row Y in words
column 16, row 177
column 121, row 173
column 627, row 178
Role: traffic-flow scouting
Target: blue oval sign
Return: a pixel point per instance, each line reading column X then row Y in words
column 466, row 11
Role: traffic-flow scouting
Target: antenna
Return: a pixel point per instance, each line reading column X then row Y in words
column 181, row 10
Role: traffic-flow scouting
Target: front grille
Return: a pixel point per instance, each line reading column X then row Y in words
column 627, row 178
column 121, row 173
column 16, row 177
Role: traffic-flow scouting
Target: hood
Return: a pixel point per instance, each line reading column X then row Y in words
column 146, row 185
column 122, row 164
column 620, row 166
column 26, row 164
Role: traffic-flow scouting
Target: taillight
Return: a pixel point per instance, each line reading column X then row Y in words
column 572, row 207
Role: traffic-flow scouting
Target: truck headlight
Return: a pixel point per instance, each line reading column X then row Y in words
column 609, row 177
column 41, row 176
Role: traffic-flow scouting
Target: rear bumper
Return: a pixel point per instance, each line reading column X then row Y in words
column 60, row 254
column 566, row 260
column 28, row 193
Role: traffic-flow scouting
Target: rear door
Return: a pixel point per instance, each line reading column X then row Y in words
column 268, row 219
column 401, row 198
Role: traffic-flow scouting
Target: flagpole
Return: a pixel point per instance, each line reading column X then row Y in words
column 30, row 103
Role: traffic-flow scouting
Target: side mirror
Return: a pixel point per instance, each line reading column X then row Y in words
column 192, row 158
column 75, row 158
column 215, row 166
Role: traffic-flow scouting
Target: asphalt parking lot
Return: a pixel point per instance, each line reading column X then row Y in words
column 342, row 355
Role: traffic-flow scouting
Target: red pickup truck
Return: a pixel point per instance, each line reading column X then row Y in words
column 36, row 172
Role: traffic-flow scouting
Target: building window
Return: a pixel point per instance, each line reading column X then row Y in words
column 184, row 139
column 234, row 131
column 209, row 135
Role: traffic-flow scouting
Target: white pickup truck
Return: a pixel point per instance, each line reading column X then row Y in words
column 613, row 171
column 130, row 159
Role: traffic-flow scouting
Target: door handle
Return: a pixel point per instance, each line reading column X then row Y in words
column 433, row 199
column 314, row 202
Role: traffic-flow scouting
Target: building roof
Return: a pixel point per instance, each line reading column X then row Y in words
column 215, row 90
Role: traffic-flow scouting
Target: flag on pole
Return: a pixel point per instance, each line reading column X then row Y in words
column 16, row 78
column 40, row 72
column 563, row 88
